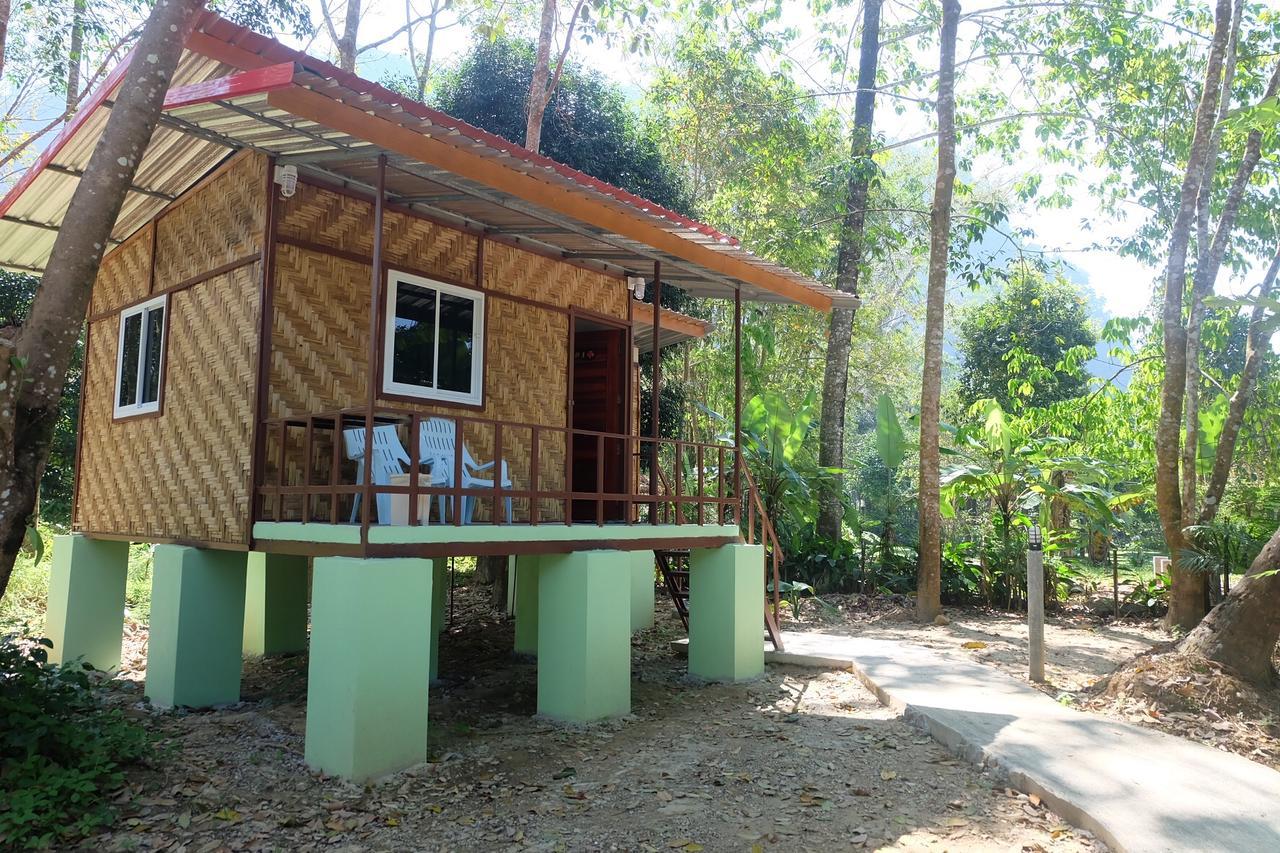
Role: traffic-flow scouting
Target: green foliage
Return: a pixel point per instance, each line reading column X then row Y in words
column 890, row 443
column 61, row 752
column 588, row 124
column 1027, row 346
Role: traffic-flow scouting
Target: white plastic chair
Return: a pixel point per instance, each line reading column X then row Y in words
column 389, row 459
column 437, row 441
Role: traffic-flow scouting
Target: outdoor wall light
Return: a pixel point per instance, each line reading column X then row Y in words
column 635, row 283
column 287, row 178
column 1034, row 541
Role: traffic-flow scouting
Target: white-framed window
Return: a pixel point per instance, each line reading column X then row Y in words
column 433, row 340
column 140, row 357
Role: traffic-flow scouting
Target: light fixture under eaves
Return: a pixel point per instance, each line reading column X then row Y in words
column 287, row 178
column 635, row 283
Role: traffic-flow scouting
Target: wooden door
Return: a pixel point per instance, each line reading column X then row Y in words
column 598, row 404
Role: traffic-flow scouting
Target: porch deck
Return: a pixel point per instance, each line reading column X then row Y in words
column 550, row 489
column 440, row 540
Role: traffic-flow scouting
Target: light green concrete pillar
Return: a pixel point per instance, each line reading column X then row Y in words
column 726, row 612
column 371, row 629
column 275, row 604
column 85, row 615
column 197, row 626
column 526, row 604
column 642, row 569
column 439, row 595
column 584, row 635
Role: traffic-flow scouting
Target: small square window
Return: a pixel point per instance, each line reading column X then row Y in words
column 434, row 340
column 140, row 358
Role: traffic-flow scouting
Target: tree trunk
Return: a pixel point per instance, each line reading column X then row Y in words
column 1186, row 601
column 1204, row 282
column 492, row 571
column 1256, row 347
column 5, row 8
column 835, row 383
column 347, row 49
column 34, row 361
column 538, row 95
column 929, row 572
column 75, row 51
column 1208, row 263
column 1241, row 633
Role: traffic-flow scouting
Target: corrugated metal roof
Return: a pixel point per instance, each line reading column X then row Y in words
column 296, row 109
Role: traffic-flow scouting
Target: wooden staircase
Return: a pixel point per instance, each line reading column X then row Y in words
column 673, row 563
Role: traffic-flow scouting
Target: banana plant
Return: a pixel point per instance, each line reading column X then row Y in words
column 1000, row 463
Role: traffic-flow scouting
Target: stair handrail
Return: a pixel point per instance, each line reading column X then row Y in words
column 768, row 537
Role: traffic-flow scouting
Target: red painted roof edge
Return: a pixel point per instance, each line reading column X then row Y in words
column 220, row 28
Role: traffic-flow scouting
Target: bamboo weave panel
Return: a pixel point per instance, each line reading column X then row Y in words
column 319, row 360
column 542, row 279
column 217, row 223
column 184, row 474
column 319, row 215
column 124, row 276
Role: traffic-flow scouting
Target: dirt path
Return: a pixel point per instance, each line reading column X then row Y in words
column 801, row 760
column 1080, row 647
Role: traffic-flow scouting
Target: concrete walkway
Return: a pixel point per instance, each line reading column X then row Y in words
column 1136, row 789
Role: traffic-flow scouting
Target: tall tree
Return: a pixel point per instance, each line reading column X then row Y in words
column 34, row 358
column 1186, row 599
column 543, row 83
column 835, row 384
column 1035, row 319
column 928, row 578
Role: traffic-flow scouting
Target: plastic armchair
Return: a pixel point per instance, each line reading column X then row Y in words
column 389, row 459
column 438, row 440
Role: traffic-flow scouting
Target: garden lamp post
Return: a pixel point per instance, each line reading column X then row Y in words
column 1035, row 601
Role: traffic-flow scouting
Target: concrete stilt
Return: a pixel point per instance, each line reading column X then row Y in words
column 526, row 604
column 197, row 626
column 726, row 613
column 275, row 604
column 85, row 615
column 642, row 573
column 371, row 630
column 584, row 635
column 439, row 600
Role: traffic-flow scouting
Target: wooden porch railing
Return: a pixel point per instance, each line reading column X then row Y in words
column 307, row 476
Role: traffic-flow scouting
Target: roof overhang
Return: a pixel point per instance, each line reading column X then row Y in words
column 235, row 89
column 673, row 327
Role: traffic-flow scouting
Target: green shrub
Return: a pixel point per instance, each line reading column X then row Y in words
column 61, row 751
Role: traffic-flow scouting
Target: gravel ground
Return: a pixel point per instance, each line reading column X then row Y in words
column 800, row 760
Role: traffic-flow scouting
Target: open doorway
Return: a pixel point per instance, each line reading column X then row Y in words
column 598, row 403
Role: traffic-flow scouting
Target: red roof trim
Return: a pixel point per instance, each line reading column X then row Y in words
column 82, row 115
column 225, row 31
column 255, row 82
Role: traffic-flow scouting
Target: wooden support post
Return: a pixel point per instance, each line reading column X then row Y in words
column 657, row 387
column 375, row 316
column 737, row 400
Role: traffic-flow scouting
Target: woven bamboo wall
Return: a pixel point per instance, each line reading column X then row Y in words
column 182, row 475
column 125, row 275
column 321, row 326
